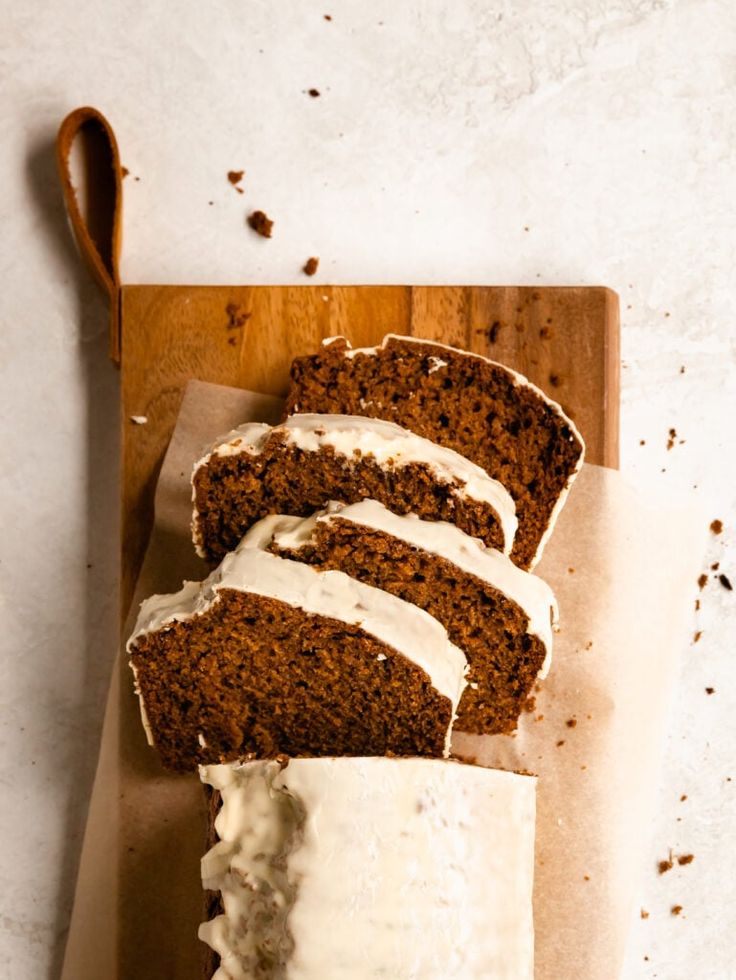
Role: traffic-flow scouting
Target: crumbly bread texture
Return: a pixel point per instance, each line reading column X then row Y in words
column 479, row 408
column 504, row 656
column 269, row 656
column 259, row 470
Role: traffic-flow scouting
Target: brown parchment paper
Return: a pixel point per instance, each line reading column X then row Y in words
column 624, row 571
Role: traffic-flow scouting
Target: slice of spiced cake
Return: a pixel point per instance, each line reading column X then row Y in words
column 352, row 869
column 269, row 656
column 299, row 466
column 499, row 615
column 464, row 401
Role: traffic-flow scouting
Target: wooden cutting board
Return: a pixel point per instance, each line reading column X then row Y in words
column 565, row 339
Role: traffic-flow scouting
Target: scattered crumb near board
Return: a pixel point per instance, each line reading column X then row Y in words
column 530, row 704
column 139, row 419
column 260, row 223
column 545, row 333
column 715, row 566
column 683, row 797
column 311, row 265
column 697, row 605
column 235, row 177
column 561, row 742
column 327, row 16
column 644, row 915
column 676, row 909
column 571, row 722
column 586, row 877
column 685, row 859
column 725, row 582
column 539, row 718
column 697, row 635
column 682, row 369
column 671, row 439
column 236, row 316
column 232, row 341
column 642, row 442
column 710, row 690
column 124, row 172
column 555, row 380
column 702, row 579
column 664, row 866
column 589, row 645
column 493, row 331
column 314, row 93
column 571, row 571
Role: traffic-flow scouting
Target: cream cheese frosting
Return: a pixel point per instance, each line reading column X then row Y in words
column 389, row 444
column 410, row 631
column 413, row 869
column 518, row 379
column 439, row 538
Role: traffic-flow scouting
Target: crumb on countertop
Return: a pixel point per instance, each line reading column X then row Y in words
column 710, row 690
column 725, row 582
column 311, row 265
column 644, row 914
column 716, row 526
column 571, row 722
column 664, row 866
column 697, row 635
column 702, row 580
column 313, row 92
column 676, row 909
column 685, row 859
column 672, row 438
column 235, row 176
column 260, row 223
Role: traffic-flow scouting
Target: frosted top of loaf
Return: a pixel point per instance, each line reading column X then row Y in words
column 374, row 867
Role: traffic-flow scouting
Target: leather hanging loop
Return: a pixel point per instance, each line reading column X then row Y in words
column 97, row 226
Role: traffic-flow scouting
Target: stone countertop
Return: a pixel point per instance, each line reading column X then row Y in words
column 550, row 142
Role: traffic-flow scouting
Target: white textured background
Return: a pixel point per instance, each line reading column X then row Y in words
column 444, row 130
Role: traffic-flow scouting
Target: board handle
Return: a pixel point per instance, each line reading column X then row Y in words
column 97, row 229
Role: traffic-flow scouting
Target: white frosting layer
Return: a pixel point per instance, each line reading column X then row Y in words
column 400, row 625
column 408, row 869
column 390, row 445
column 439, row 538
column 518, row 379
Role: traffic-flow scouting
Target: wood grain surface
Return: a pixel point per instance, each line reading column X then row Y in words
column 565, row 339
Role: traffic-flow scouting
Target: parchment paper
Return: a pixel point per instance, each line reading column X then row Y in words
column 624, row 570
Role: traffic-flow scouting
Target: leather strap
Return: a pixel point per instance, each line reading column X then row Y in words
column 98, row 231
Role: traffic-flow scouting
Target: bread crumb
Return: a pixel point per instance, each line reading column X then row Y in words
column 725, row 582
column 589, row 645
column 642, row 442
column 676, row 909
column 555, row 380
column 683, row 797
column 124, row 172
column 311, row 266
column 715, row 566
column 236, row 318
column 545, row 333
column 314, row 93
column 644, row 915
column 586, row 877
column 682, row 369
column 664, row 866
column 697, row 605
column 702, row 580
column 327, row 16
column 710, row 690
column 139, row 419
column 716, row 526
column 671, row 439
column 235, row 176
column 561, row 742
column 571, row 571
column 685, row 859
column 493, row 331
column 697, row 635
column 261, row 223
column 571, row 722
